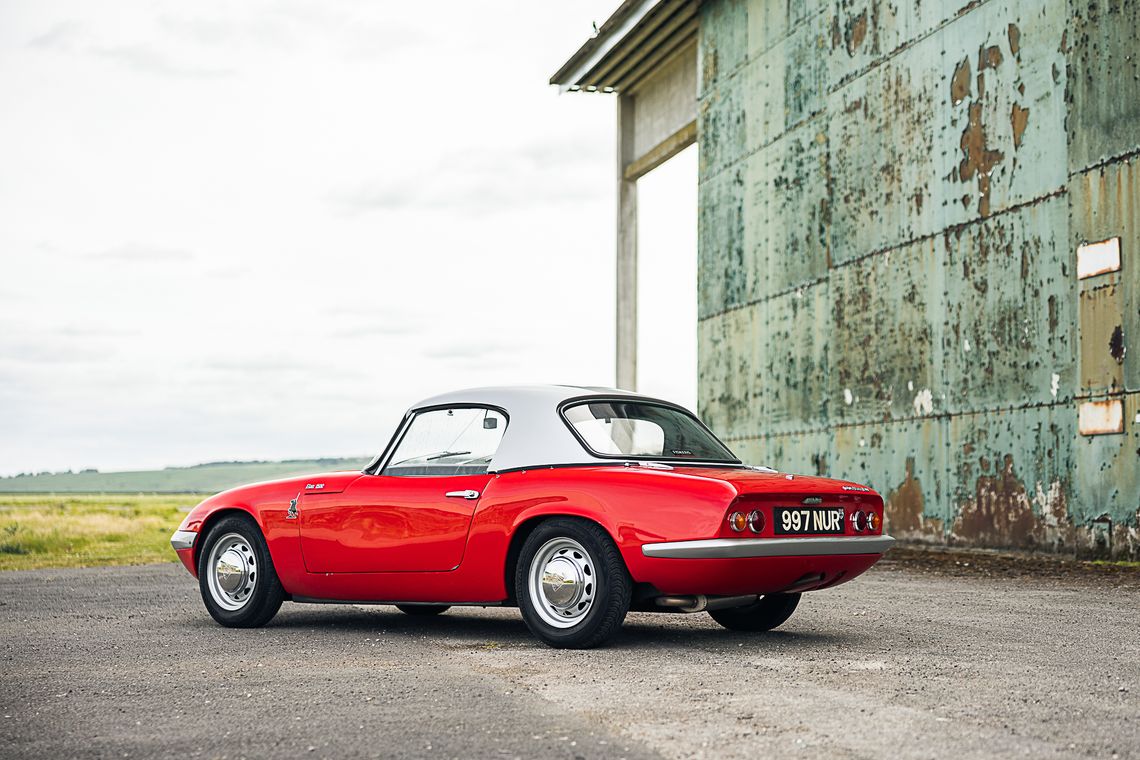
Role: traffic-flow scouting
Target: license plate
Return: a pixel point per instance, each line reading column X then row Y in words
column 808, row 520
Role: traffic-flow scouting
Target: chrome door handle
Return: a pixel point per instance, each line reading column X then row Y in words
column 463, row 494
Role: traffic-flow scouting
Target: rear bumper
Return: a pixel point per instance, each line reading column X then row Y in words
column 739, row 548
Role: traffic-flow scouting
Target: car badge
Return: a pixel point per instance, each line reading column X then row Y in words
column 292, row 513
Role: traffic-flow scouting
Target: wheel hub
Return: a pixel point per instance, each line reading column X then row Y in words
column 231, row 570
column 562, row 583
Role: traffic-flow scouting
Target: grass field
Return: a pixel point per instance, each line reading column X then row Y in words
column 75, row 530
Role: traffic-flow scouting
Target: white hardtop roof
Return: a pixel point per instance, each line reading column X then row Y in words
column 536, row 435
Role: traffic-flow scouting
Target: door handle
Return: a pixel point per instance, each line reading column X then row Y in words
column 463, row 494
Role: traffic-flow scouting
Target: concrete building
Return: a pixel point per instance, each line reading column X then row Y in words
column 919, row 234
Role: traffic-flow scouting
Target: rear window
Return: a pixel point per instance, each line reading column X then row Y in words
column 643, row 430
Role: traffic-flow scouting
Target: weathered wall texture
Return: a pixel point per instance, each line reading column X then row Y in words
column 891, row 199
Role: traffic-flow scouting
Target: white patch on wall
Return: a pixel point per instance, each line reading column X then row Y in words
column 1101, row 417
column 847, row 397
column 1055, row 385
column 910, row 385
column 924, row 402
column 966, row 345
column 1098, row 258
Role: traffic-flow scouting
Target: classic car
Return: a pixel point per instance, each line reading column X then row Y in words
column 574, row 504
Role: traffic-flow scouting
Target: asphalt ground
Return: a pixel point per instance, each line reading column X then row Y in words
column 914, row 659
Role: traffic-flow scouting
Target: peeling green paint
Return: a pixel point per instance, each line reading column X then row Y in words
column 891, row 196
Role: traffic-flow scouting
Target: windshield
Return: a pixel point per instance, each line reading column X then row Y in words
column 643, row 430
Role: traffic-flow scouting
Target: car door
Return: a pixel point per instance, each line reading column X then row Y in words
column 414, row 514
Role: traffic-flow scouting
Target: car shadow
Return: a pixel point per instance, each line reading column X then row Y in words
column 465, row 628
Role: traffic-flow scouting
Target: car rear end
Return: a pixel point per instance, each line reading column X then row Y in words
column 779, row 534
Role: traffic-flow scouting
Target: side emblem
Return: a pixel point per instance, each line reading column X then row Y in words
column 292, row 513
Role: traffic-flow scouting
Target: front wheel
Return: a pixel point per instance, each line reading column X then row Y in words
column 236, row 575
column 764, row 614
column 572, row 586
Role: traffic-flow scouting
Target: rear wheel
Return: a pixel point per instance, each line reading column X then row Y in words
column 764, row 614
column 423, row 610
column 572, row 586
column 235, row 575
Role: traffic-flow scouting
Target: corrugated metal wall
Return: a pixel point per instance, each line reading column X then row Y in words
column 891, row 201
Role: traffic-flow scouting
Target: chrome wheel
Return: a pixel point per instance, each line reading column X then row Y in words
column 231, row 571
column 562, row 582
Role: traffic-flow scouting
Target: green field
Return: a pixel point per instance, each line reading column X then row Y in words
column 203, row 478
column 72, row 530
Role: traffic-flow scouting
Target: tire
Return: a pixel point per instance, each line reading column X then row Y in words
column 762, row 615
column 591, row 598
column 250, row 594
column 423, row 610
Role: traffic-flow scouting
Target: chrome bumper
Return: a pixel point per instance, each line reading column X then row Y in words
column 737, row 548
column 183, row 539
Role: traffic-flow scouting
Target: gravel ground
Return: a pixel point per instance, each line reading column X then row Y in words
column 904, row 662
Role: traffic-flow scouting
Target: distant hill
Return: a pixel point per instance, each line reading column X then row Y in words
column 203, row 478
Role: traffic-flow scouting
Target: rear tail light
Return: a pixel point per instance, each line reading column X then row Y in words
column 872, row 521
column 859, row 521
column 756, row 521
column 738, row 522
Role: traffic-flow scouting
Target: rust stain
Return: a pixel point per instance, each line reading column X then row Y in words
column 989, row 57
column 904, row 505
column 1053, row 319
column 856, row 32
column 1018, row 119
column 1014, row 38
column 1000, row 513
column 960, row 83
column 1116, row 345
column 978, row 159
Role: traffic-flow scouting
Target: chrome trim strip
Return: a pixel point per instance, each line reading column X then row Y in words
column 183, row 539
column 735, row 548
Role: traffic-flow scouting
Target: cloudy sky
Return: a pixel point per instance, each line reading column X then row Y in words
column 260, row 230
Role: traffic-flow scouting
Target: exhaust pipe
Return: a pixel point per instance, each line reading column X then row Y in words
column 702, row 603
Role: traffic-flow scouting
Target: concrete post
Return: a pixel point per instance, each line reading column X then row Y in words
column 626, row 250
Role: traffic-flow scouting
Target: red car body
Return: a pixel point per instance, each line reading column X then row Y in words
column 361, row 537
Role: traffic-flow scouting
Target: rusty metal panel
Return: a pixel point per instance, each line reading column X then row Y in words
column 960, row 125
column 1012, row 475
column 1102, row 337
column 1105, row 203
column 793, row 360
column 1107, row 484
column 886, row 336
column 722, row 42
column 786, row 212
column 727, row 371
column 863, row 32
column 1104, row 80
column 721, row 280
column 786, row 84
column 769, row 22
column 1009, row 313
column 905, row 461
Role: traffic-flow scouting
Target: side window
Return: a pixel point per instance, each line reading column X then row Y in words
column 444, row 442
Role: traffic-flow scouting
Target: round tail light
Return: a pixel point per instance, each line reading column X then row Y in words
column 738, row 522
column 872, row 521
column 756, row 521
column 859, row 521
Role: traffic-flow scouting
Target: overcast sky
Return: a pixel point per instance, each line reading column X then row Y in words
column 260, row 230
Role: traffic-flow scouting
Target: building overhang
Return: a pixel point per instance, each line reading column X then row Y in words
column 638, row 38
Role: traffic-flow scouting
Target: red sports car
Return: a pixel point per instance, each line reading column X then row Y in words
column 573, row 504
